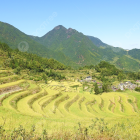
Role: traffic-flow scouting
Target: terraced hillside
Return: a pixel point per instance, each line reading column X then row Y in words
column 23, row 101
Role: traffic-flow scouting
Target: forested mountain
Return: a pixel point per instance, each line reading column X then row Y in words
column 135, row 53
column 14, row 38
column 82, row 49
column 70, row 47
column 73, row 44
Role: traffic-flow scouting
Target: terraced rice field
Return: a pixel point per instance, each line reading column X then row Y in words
column 57, row 101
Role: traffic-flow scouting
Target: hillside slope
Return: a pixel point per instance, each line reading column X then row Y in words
column 67, row 46
column 127, row 63
column 82, row 49
column 72, row 43
column 17, row 39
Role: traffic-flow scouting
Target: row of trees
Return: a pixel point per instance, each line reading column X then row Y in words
column 105, row 88
column 54, row 75
column 87, row 67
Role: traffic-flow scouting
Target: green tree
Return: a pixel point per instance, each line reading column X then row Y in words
column 44, row 76
column 105, row 87
column 96, row 89
column 17, row 70
column 9, row 54
column 121, row 76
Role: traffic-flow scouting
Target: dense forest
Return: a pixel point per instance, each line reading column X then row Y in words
column 22, row 60
column 107, row 69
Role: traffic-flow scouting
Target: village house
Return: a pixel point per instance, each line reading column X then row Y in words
column 89, row 78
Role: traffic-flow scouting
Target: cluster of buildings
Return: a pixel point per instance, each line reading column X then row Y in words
column 127, row 85
column 121, row 86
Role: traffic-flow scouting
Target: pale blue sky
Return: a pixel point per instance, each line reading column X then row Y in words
column 115, row 22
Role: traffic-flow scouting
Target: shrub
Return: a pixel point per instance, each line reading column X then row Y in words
column 17, row 70
column 137, row 89
column 119, row 90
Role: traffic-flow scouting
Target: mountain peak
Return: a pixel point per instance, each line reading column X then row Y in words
column 59, row 27
column 62, row 27
column 70, row 30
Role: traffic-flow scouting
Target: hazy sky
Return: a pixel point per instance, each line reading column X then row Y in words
column 115, row 22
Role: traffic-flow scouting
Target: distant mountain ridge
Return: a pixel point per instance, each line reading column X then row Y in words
column 70, row 47
column 12, row 36
column 73, row 44
column 82, row 49
column 97, row 41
